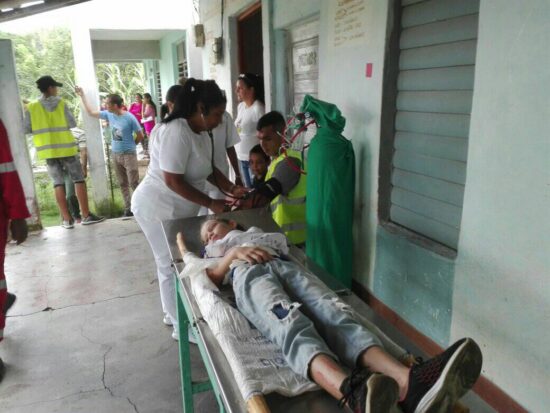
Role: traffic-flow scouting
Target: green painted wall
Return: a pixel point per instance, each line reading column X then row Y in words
column 502, row 276
column 416, row 283
column 168, row 64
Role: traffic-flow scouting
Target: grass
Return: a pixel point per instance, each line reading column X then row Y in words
column 49, row 213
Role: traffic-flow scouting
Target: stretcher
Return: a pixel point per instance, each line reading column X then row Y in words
column 220, row 377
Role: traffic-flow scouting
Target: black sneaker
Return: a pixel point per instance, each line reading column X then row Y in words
column 92, row 219
column 436, row 384
column 10, row 299
column 369, row 393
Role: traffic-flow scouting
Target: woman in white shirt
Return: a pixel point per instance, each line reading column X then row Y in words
column 250, row 92
column 180, row 165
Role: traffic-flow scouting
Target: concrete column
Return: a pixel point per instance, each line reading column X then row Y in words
column 12, row 116
column 86, row 78
column 269, row 52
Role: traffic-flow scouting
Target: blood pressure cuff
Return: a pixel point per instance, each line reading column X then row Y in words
column 284, row 178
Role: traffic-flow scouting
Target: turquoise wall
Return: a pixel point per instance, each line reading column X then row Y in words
column 168, row 64
column 416, row 283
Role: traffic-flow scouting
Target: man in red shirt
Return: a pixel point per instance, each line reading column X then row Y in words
column 13, row 212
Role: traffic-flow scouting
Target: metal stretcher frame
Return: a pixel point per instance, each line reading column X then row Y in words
column 221, row 380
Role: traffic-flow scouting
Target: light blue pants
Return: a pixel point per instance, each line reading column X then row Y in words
column 300, row 314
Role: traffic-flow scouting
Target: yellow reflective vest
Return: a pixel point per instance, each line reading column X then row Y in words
column 51, row 134
column 289, row 212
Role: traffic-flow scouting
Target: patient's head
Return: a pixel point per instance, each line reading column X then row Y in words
column 216, row 228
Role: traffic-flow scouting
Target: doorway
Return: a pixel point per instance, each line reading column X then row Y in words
column 249, row 35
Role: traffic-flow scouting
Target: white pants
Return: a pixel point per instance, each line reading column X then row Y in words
column 167, row 284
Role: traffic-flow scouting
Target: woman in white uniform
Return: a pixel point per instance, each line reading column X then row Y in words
column 250, row 93
column 180, row 165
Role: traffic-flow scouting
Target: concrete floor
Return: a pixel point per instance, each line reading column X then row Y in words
column 86, row 332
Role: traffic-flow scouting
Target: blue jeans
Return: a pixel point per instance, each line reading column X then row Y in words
column 296, row 311
column 245, row 171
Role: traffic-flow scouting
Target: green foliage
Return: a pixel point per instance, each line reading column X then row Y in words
column 125, row 79
column 45, row 52
column 49, row 52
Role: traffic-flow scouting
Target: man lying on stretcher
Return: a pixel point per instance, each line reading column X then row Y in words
column 318, row 332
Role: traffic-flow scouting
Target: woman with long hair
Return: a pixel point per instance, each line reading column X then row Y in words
column 179, row 168
column 148, row 115
column 250, row 93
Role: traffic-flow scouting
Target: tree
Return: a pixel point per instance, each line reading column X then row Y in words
column 125, row 79
column 45, row 52
column 50, row 52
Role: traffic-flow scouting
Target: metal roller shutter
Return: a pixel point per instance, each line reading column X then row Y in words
column 435, row 85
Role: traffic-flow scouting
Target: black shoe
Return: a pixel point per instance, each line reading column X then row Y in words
column 128, row 213
column 369, row 393
column 436, row 384
column 92, row 219
column 10, row 299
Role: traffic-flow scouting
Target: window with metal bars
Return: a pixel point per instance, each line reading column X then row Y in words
column 181, row 56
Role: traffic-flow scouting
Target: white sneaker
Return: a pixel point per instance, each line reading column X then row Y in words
column 166, row 320
column 67, row 224
column 190, row 336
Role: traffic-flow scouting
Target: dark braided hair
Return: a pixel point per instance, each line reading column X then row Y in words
column 195, row 92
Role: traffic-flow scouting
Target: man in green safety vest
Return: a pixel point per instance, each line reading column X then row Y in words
column 50, row 120
column 285, row 182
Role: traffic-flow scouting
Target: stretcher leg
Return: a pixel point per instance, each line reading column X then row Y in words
column 188, row 386
column 184, row 352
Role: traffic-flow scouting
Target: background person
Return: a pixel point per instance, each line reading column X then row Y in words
column 149, row 115
column 259, row 162
column 80, row 137
column 175, row 182
column 123, row 125
column 224, row 137
column 136, row 108
column 13, row 211
column 49, row 120
column 250, row 93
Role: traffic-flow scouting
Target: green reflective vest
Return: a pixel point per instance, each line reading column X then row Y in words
column 289, row 212
column 51, row 135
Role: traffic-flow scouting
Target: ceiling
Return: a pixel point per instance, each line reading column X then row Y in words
column 16, row 9
column 107, row 34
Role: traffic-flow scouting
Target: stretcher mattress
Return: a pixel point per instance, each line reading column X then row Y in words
column 257, row 364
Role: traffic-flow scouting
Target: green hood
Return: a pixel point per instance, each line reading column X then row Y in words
column 326, row 114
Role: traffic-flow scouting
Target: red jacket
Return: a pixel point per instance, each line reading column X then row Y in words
column 12, row 197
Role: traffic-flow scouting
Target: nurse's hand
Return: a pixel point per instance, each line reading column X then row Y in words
column 217, row 206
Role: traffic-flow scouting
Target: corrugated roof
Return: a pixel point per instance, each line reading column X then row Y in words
column 16, row 9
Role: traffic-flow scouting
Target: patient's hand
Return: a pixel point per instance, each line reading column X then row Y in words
column 252, row 255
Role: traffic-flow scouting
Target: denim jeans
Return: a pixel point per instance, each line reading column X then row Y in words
column 299, row 313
